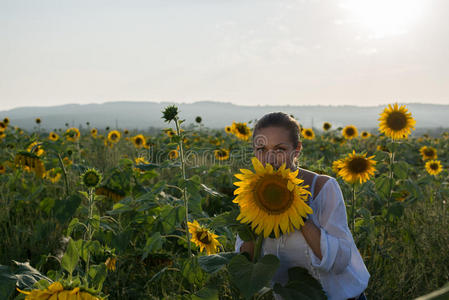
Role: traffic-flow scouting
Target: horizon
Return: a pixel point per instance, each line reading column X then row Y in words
column 222, row 102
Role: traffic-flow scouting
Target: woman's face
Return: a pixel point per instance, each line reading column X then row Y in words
column 273, row 145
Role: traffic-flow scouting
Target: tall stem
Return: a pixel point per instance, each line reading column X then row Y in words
column 353, row 209
column 258, row 247
column 89, row 227
column 64, row 172
column 184, row 191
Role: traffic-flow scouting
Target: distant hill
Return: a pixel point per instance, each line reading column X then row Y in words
column 142, row 115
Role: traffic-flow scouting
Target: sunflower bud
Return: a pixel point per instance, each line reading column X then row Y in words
column 198, row 119
column 170, row 113
column 91, row 178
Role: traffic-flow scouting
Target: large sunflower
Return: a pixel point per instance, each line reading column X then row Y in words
column 36, row 148
column 433, row 167
column 326, row 126
column 241, row 130
column 56, row 291
column 396, row 122
column 271, row 200
column 365, row 134
column 428, row 153
column 203, row 238
column 221, row 154
column 139, row 141
column 308, row 133
column 356, row 167
column 72, row 134
column 114, row 136
column 53, row 136
column 350, row 132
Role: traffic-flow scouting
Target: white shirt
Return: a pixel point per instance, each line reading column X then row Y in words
column 341, row 272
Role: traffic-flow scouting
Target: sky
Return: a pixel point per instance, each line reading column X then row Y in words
column 248, row 52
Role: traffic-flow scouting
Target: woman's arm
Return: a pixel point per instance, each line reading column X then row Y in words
column 335, row 239
column 312, row 235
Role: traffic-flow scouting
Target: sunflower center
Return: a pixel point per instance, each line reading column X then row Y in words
column 350, row 131
column 113, row 136
column 203, row 237
column 139, row 141
column 397, row 120
column 308, row 133
column 358, row 165
column 221, row 153
column 272, row 195
column 434, row 166
column 242, row 129
column 429, row 152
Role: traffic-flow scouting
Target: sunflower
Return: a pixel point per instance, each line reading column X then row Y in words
column 114, row 136
column 115, row 195
column 365, row 134
column 203, row 238
column 56, row 291
column 433, row 167
column 170, row 132
column 125, row 132
column 141, row 160
column 6, row 120
column 326, row 126
column 2, row 169
column 336, row 166
column 139, row 141
column 53, row 175
column 271, row 200
column 401, row 196
column 38, row 120
column 72, row 134
column 221, row 154
column 396, row 122
column 357, row 167
column 30, row 162
column 53, row 136
column 66, row 161
column 2, row 126
column 110, row 263
column 173, row 154
column 350, row 132
column 91, row 178
column 428, row 153
column 228, row 129
column 94, row 132
column 241, row 130
column 36, row 148
column 308, row 133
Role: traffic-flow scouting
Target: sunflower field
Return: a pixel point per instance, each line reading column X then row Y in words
column 90, row 213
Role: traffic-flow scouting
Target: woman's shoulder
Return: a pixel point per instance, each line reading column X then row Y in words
column 320, row 182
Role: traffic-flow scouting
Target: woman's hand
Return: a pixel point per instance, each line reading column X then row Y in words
column 248, row 247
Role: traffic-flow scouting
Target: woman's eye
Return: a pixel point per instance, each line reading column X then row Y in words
column 279, row 150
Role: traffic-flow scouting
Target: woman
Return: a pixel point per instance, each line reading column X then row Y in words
column 324, row 245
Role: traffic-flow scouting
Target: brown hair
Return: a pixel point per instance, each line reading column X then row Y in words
column 280, row 119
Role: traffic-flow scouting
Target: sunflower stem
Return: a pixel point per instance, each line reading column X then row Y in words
column 64, row 172
column 184, row 191
column 257, row 248
column 353, row 209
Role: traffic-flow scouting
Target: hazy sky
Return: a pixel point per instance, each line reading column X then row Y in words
column 241, row 51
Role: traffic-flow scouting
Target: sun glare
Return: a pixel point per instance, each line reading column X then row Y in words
column 384, row 17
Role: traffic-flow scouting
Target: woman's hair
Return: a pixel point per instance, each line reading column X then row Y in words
column 280, row 119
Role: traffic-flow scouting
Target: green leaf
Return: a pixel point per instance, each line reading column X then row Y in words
column 215, row 262
column 98, row 274
column 206, row 294
column 400, row 169
column 70, row 258
column 153, row 244
column 192, row 271
column 47, row 204
column 148, row 167
column 66, row 208
column 249, row 277
column 382, row 185
column 301, row 285
column 72, row 225
column 211, row 191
